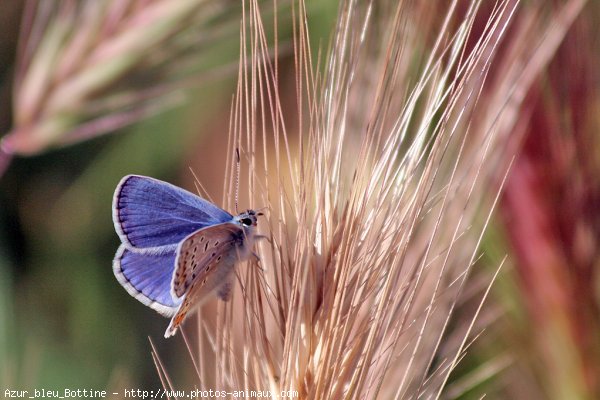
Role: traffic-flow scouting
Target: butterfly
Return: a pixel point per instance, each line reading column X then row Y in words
column 176, row 248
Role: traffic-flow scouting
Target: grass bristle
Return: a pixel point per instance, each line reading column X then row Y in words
column 376, row 197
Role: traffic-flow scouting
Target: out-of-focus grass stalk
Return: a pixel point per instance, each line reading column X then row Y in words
column 89, row 68
column 7, row 377
column 372, row 199
column 551, row 209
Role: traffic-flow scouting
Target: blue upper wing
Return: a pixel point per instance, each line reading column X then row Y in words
column 147, row 277
column 150, row 214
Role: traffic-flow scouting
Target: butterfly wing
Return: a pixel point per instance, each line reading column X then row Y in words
column 203, row 250
column 151, row 214
column 147, row 277
column 204, row 263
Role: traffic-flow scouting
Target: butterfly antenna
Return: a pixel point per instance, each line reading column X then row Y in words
column 237, row 178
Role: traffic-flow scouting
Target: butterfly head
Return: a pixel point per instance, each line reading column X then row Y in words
column 247, row 218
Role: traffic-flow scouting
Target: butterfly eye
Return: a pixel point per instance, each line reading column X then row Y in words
column 246, row 221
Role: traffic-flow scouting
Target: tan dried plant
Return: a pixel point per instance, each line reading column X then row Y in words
column 87, row 68
column 376, row 199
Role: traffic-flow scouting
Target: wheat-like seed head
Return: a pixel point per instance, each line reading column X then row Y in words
column 371, row 202
column 89, row 68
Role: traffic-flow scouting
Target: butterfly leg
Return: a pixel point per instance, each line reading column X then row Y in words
column 258, row 264
column 260, row 237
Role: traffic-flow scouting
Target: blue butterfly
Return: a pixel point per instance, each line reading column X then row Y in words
column 177, row 248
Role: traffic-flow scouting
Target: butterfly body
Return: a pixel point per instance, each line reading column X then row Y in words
column 177, row 249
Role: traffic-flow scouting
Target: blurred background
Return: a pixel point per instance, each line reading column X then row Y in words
column 90, row 93
column 65, row 322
